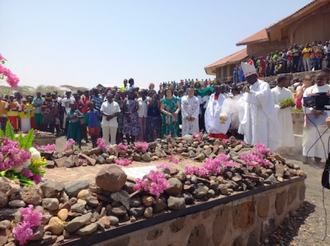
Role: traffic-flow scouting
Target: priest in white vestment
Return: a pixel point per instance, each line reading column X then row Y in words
column 280, row 93
column 213, row 126
column 190, row 111
column 315, row 124
column 257, row 115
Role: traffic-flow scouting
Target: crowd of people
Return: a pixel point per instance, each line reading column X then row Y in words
column 298, row 58
column 253, row 112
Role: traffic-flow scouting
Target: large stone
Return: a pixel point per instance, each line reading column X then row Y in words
column 159, row 205
column 113, row 220
column 118, row 211
column 175, row 187
column 197, row 236
column 188, row 138
column 160, row 152
column 56, row 225
column 201, row 190
column 63, row 214
column 16, row 204
column 146, row 157
column 136, row 157
column 83, row 194
column 219, row 227
column 137, row 211
column 4, row 186
column 72, row 189
column 176, row 203
column 148, row 212
column 89, row 229
column 243, row 214
column 92, row 201
column 32, row 195
column 263, row 206
column 8, row 213
column 3, row 199
column 280, row 202
column 268, row 226
column 78, row 207
column 100, row 159
column 111, row 178
column 154, row 234
column 51, row 189
column 123, row 197
column 105, row 221
column 50, row 203
column 78, row 222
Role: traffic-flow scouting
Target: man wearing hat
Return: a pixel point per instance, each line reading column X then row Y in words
column 258, row 117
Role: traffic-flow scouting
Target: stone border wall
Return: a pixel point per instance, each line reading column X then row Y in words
column 245, row 218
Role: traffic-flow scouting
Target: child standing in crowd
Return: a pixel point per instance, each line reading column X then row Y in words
column 93, row 128
column 25, row 116
column 74, row 128
column 13, row 108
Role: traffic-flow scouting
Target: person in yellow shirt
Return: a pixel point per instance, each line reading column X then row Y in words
column 306, row 52
column 3, row 107
column 25, row 115
column 13, row 109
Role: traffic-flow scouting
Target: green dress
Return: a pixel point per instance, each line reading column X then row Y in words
column 74, row 128
column 170, row 123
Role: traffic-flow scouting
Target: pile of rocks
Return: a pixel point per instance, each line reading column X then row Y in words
column 81, row 208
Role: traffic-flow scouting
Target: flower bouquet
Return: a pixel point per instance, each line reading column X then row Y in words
column 18, row 160
column 142, row 146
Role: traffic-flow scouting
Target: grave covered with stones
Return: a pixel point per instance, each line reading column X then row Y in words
column 239, row 203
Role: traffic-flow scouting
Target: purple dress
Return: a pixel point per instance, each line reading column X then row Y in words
column 132, row 127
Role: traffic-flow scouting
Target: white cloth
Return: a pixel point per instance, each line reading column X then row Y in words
column 212, row 116
column 284, row 116
column 189, row 107
column 206, row 99
column 258, row 117
column 110, row 108
column 312, row 145
column 143, row 108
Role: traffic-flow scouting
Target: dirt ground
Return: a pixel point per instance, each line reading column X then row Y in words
column 308, row 226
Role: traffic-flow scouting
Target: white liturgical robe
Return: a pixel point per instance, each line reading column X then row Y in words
column 284, row 116
column 189, row 107
column 313, row 144
column 258, row 117
column 212, row 116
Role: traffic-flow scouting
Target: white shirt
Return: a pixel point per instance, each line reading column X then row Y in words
column 110, row 108
column 65, row 102
column 206, row 100
column 143, row 108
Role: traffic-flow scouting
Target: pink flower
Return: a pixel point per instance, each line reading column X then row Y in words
column 69, row 143
column 169, row 158
column 155, row 183
column 22, row 232
column 1, row 57
column 175, row 160
column 123, row 162
column 27, row 173
column 169, row 136
column 225, row 141
column 37, row 178
column 143, row 146
column 164, row 165
column 121, row 146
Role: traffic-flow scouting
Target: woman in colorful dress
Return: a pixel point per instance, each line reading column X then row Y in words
column 25, row 115
column 154, row 120
column 131, row 120
column 74, row 128
column 120, row 117
column 170, row 107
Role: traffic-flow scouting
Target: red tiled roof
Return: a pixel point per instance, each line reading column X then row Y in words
column 233, row 58
column 257, row 37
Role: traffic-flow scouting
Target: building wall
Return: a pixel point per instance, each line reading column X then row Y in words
column 316, row 27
